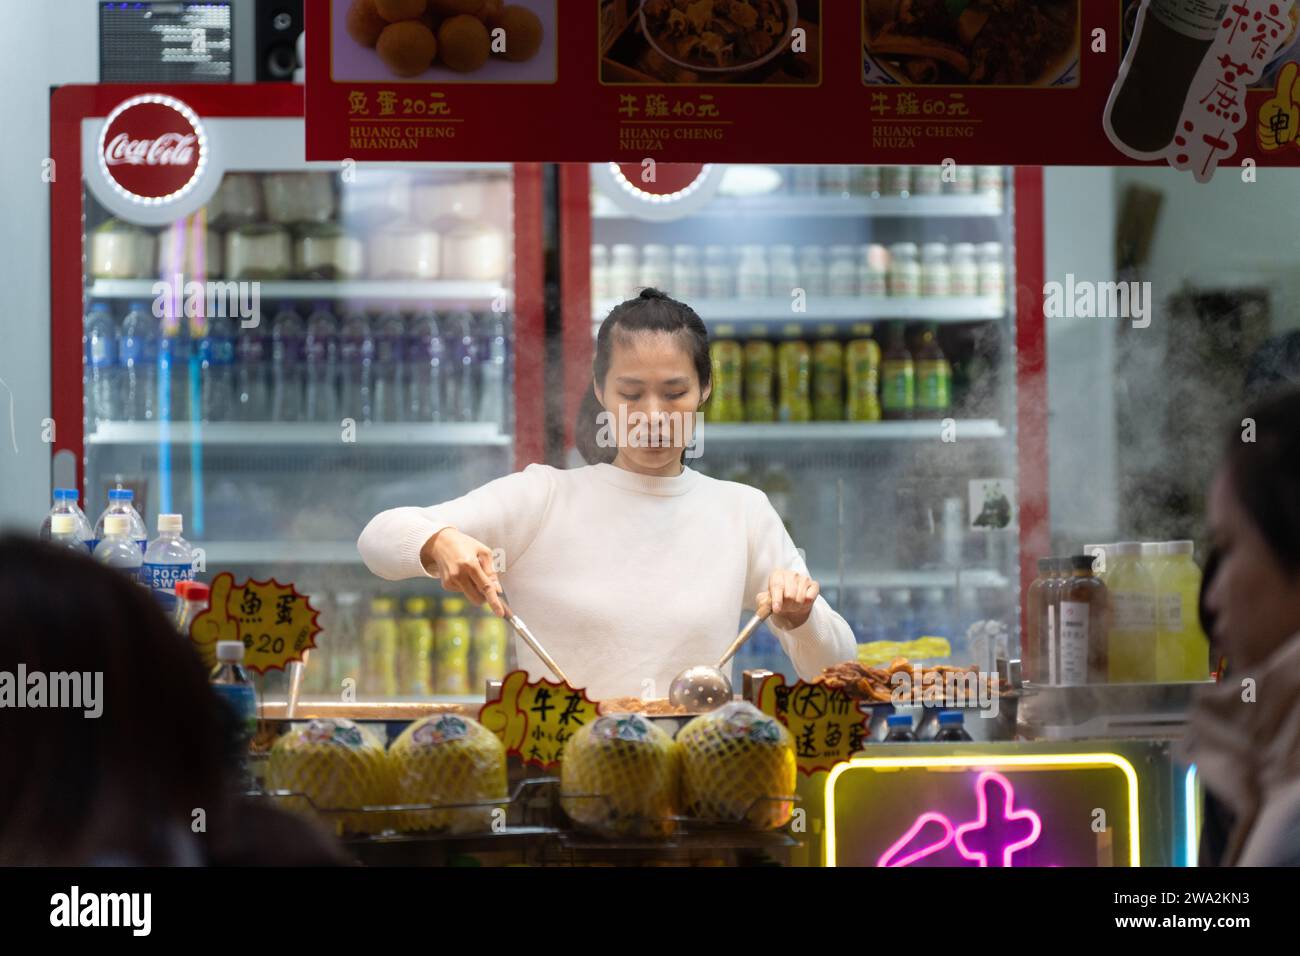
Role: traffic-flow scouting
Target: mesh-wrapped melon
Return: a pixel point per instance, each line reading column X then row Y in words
column 620, row 777
column 445, row 760
column 338, row 765
column 735, row 760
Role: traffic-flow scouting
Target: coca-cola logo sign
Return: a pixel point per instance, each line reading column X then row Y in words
column 152, row 149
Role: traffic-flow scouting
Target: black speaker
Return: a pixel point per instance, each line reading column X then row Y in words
column 275, row 39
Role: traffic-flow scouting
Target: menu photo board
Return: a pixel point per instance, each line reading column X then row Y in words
column 1195, row 83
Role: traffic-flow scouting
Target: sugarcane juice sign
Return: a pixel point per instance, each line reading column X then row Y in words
column 534, row 719
column 827, row 725
column 275, row 623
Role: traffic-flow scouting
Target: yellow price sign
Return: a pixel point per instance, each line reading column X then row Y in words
column 535, row 719
column 275, row 623
column 827, row 725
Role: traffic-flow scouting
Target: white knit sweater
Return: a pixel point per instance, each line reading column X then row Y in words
column 626, row 579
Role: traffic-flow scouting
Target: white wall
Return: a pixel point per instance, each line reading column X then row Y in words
column 43, row 43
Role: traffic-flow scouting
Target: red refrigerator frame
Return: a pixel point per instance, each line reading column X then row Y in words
column 1030, row 343
column 69, row 105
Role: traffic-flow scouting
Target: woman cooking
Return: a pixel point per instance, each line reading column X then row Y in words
column 635, row 567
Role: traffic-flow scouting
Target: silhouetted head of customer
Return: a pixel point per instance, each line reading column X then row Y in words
column 1252, row 602
column 120, row 752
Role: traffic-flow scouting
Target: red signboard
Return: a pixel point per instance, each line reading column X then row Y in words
column 787, row 81
column 152, row 148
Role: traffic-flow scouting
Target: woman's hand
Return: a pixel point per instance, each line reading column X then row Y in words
column 463, row 564
column 791, row 595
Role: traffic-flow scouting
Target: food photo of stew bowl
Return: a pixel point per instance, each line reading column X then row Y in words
column 751, row 45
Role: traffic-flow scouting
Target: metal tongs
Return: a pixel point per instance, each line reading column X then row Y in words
column 516, row 622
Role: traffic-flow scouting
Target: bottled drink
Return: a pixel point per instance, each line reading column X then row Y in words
column 216, row 356
column 951, row 727
column 169, row 558
column 1172, row 38
column 899, row 729
column 100, row 343
column 345, row 656
column 726, row 403
column 425, row 358
column 494, row 355
column 321, row 359
column 760, row 367
column 62, row 533
column 828, row 376
column 461, row 399
column 390, row 335
column 933, row 377
column 380, row 649
column 776, row 483
column 935, row 618
column 65, row 503
column 415, row 638
column 116, row 549
column 356, row 358
column 1183, row 650
column 252, row 397
column 192, row 600
column 862, row 376
column 793, row 378
column 174, row 372
column 286, row 366
column 1034, row 653
column 233, row 687
column 119, row 503
column 451, row 647
column 1133, row 625
column 897, row 377
column 1085, row 638
column 490, row 648
column 137, row 357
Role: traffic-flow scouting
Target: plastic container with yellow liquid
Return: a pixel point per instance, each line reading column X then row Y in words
column 379, row 643
column 490, row 645
column 415, row 631
column 451, row 648
column 1183, row 650
column 1133, row 625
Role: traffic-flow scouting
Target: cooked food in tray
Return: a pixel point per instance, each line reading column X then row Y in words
column 878, row 684
column 717, row 33
column 658, row 707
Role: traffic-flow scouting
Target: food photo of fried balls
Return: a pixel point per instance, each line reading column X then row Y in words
column 395, row 11
column 464, row 43
column 452, row 8
column 364, row 22
column 523, row 30
column 407, row 48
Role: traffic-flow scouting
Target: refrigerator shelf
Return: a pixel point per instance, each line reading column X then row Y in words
column 218, row 554
column 914, row 580
column 455, row 434
column 853, row 207
column 848, row 309
column 792, row 432
column 432, row 292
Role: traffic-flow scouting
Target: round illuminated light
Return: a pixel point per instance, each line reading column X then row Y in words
column 677, row 189
column 152, row 149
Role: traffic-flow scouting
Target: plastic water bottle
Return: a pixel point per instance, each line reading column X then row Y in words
column 217, row 370
column 493, row 352
column 952, row 727
column 137, row 359
column 169, row 558
column 356, row 358
column 232, row 685
column 252, row 398
column 286, row 366
column 390, row 335
column 321, row 397
column 174, row 373
column 63, row 533
column 461, row 369
column 65, row 503
column 100, row 343
column 119, row 503
column 425, row 358
column 900, row 729
column 117, row 550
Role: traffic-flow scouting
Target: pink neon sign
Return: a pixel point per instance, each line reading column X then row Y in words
column 975, row 840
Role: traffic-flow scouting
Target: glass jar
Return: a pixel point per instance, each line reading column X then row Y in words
column 842, row 273
column 992, row 271
column 873, row 270
column 656, row 267
column 897, row 181
column 717, row 273
column 688, row 274
column 812, row 270
column 783, row 273
column 752, row 276
column 935, row 277
column 904, row 270
column 599, row 272
column 623, row 273
column 963, row 273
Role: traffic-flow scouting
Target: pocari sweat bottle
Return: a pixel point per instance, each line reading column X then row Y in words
column 169, row 557
column 116, row 549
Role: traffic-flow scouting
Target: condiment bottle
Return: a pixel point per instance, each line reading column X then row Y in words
column 1084, row 634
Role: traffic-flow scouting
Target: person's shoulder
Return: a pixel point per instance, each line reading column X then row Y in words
column 746, row 495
